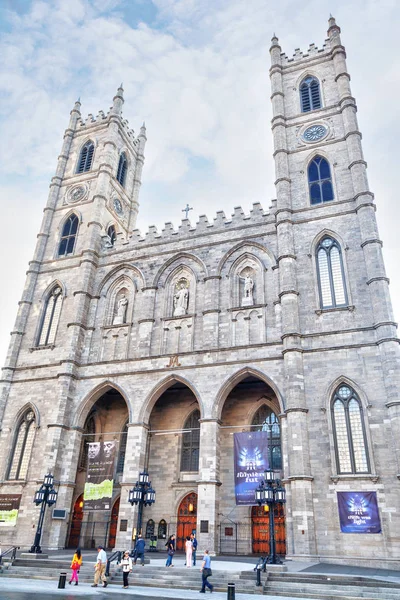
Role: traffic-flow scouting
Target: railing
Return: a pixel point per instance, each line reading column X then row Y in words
column 114, row 556
column 12, row 552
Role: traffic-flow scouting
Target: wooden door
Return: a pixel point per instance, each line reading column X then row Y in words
column 187, row 517
column 113, row 524
column 260, row 530
column 76, row 523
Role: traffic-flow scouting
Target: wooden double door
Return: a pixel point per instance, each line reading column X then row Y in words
column 260, row 530
column 187, row 517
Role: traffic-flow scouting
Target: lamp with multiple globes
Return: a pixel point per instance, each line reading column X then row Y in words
column 142, row 494
column 46, row 495
column 270, row 492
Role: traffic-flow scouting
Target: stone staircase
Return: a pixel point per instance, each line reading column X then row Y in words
column 329, row 587
column 147, row 576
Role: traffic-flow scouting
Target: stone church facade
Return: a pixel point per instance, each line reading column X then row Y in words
column 172, row 341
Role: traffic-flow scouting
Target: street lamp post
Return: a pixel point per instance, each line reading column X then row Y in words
column 142, row 495
column 46, row 495
column 271, row 492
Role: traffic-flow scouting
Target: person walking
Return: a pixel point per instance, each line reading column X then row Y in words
column 206, row 572
column 171, row 550
column 194, row 544
column 75, row 566
column 189, row 550
column 126, row 568
column 139, row 550
column 100, row 568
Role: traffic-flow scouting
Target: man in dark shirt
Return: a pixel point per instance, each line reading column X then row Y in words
column 139, row 550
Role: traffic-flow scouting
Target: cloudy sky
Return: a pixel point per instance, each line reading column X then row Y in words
column 197, row 72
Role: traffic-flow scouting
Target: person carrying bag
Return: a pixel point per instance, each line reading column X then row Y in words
column 126, row 568
column 206, row 572
column 171, row 550
column 75, row 566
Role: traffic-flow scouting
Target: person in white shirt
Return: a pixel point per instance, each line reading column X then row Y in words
column 126, row 568
column 100, row 568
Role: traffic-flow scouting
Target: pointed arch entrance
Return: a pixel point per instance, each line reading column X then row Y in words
column 187, row 517
column 113, row 524
column 76, row 523
column 104, row 430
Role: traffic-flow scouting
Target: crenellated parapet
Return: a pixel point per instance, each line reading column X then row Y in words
column 102, row 118
column 312, row 52
column 220, row 223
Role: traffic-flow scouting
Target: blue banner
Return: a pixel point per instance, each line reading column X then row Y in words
column 251, row 460
column 358, row 512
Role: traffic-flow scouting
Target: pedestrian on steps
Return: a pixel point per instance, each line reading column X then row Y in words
column 126, row 568
column 75, row 566
column 206, row 572
column 100, row 568
column 171, row 550
column 139, row 550
column 189, row 551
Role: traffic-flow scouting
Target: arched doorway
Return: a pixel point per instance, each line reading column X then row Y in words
column 76, row 523
column 260, row 529
column 187, row 517
column 113, row 524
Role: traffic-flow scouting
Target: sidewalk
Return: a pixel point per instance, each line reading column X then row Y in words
column 45, row 588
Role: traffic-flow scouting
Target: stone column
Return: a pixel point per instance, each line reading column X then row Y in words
column 208, row 484
column 135, row 461
column 211, row 311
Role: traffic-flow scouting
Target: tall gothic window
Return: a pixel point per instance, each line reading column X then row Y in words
column 310, row 94
column 22, row 449
column 150, row 526
column 191, row 443
column 331, row 281
column 50, row 318
column 122, row 167
column 68, row 236
column 162, row 529
column 122, row 449
column 86, row 158
column 112, row 234
column 320, row 181
column 349, row 432
column 266, row 420
column 88, row 437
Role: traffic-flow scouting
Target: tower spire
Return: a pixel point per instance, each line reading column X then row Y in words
column 118, row 101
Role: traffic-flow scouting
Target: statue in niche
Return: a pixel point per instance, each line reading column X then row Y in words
column 122, row 306
column 248, row 289
column 181, row 299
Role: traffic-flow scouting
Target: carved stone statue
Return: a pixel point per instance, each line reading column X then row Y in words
column 247, row 299
column 181, row 300
column 120, row 317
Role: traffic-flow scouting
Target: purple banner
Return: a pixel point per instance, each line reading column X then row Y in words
column 251, row 460
column 358, row 512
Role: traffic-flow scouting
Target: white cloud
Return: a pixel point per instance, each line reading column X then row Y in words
column 198, row 76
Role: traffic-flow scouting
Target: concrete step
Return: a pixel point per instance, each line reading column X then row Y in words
column 330, row 579
column 332, row 592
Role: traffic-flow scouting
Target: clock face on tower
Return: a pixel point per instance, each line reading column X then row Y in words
column 314, row 133
column 118, row 206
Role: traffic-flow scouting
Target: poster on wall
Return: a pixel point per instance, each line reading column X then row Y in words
column 98, row 490
column 251, row 460
column 9, row 507
column 358, row 512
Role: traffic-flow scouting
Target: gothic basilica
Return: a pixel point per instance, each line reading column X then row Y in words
column 170, row 342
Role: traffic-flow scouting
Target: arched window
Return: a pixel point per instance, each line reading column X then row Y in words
column 162, row 529
column 122, row 449
column 150, row 525
column 331, row 282
column 310, row 94
column 68, row 237
column 320, row 181
column 50, row 318
column 266, row 420
column 111, row 234
column 349, row 432
column 22, row 448
column 88, row 438
column 86, row 158
column 122, row 167
column 191, row 443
